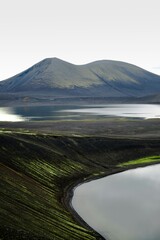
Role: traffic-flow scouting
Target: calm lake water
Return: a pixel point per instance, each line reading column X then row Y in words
column 79, row 112
column 124, row 206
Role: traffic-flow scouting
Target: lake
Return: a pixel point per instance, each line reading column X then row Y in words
column 76, row 112
column 123, row 206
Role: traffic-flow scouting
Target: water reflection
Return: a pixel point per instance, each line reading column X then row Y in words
column 124, row 206
column 8, row 114
column 123, row 110
column 65, row 112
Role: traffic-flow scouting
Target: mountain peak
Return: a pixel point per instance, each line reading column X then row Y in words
column 103, row 78
column 54, row 60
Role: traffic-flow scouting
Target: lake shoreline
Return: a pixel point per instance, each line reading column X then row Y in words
column 69, row 190
column 110, row 127
column 24, row 100
column 80, row 157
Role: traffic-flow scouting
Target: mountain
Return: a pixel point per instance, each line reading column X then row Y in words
column 104, row 78
column 149, row 99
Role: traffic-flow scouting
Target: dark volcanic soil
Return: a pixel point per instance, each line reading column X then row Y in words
column 110, row 127
column 41, row 162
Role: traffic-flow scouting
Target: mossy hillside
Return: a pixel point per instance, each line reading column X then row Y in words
column 31, row 189
column 35, row 171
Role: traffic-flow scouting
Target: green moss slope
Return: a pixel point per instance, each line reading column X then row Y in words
column 150, row 159
column 36, row 171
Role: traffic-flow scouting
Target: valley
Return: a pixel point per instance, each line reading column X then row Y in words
column 42, row 161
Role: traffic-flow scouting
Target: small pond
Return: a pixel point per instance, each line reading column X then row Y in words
column 123, row 206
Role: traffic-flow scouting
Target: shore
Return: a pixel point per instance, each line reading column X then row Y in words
column 109, row 127
column 41, row 167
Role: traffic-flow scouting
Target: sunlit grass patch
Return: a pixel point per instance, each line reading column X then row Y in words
column 150, row 159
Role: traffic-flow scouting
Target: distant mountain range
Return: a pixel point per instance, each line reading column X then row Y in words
column 101, row 79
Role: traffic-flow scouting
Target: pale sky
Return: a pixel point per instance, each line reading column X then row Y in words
column 78, row 31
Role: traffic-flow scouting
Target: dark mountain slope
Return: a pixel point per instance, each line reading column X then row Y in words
column 99, row 79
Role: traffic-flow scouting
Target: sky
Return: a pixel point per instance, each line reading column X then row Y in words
column 78, row 31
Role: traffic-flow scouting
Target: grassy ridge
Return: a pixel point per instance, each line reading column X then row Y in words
column 37, row 168
column 31, row 189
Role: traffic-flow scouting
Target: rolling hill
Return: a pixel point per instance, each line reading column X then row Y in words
column 105, row 78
